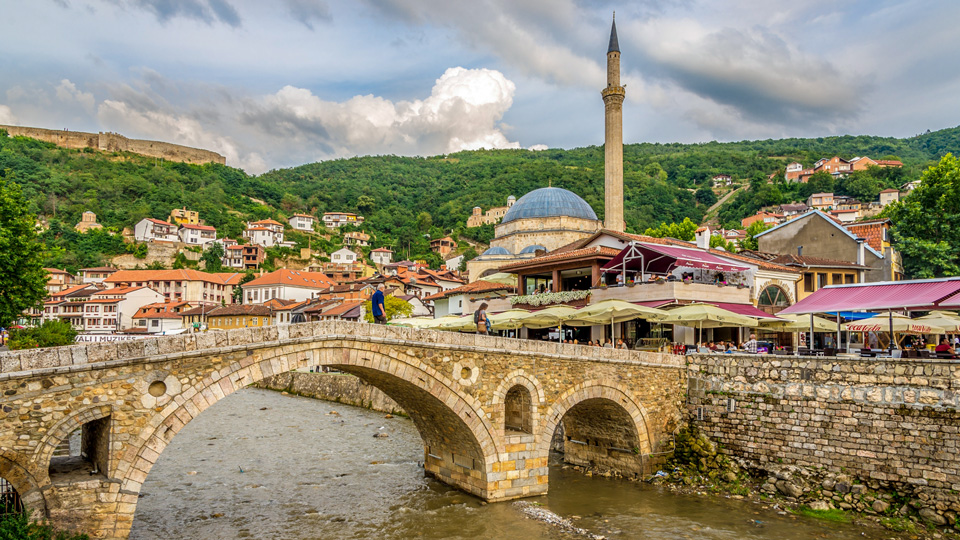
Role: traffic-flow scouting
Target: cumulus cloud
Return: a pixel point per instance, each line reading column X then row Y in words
column 125, row 118
column 538, row 147
column 755, row 71
column 208, row 11
column 6, row 116
column 463, row 112
column 68, row 92
column 308, row 12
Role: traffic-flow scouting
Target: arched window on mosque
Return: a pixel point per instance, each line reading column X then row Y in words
column 772, row 299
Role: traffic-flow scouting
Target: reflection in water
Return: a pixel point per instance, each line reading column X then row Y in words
column 263, row 465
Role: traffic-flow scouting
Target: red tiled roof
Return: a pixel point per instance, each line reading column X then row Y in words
column 596, row 251
column 237, row 309
column 266, row 222
column 130, row 276
column 342, row 310
column 161, row 222
column 57, row 271
column 293, row 278
column 382, row 249
column 198, row 227
column 477, row 287
column 891, row 190
column 117, row 291
column 99, row 269
column 889, row 162
column 871, row 231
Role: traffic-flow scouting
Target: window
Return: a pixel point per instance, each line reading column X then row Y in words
column 155, row 323
column 821, row 280
column 255, row 321
column 772, row 296
column 849, row 278
column 837, row 279
column 808, row 282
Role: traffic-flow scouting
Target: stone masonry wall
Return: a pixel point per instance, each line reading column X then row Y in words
column 891, row 423
column 339, row 387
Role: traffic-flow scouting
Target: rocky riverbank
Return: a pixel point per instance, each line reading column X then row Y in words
column 699, row 466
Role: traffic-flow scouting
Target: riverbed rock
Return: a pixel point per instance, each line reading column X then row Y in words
column 380, row 435
column 820, row 506
column 932, row 516
column 789, row 488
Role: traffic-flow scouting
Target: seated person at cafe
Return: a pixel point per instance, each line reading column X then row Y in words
column 944, row 347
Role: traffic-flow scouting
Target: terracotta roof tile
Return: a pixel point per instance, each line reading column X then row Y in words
column 477, row 287
column 128, row 276
column 343, row 309
column 293, row 278
column 602, row 251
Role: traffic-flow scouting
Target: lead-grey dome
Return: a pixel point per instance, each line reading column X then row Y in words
column 533, row 249
column 549, row 202
column 497, row 250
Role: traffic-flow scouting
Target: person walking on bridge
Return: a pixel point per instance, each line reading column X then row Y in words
column 378, row 310
column 480, row 318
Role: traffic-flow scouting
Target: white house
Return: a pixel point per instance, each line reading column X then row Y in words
column 154, row 230
column 302, row 222
column 160, row 318
column 266, row 232
column 105, row 308
column 339, row 219
column 888, row 196
column 343, row 256
column 381, row 256
column 197, row 235
column 285, row 284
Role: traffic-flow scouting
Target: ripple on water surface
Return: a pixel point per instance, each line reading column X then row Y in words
column 259, row 464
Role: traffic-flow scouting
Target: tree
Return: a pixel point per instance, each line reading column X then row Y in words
column 926, row 224
column 23, row 281
column 860, row 184
column 52, row 333
column 238, row 291
column 213, row 257
column 755, row 228
column 469, row 254
column 705, row 196
column 394, row 307
column 819, row 182
column 686, row 230
column 718, row 242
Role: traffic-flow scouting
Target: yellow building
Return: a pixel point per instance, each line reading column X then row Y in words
column 182, row 216
column 228, row 317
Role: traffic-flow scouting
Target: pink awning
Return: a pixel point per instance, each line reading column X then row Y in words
column 918, row 295
column 745, row 309
column 660, row 259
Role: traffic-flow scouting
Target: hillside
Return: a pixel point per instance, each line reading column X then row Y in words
column 404, row 198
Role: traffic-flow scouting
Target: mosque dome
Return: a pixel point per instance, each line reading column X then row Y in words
column 533, row 249
column 497, row 250
column 549, row 202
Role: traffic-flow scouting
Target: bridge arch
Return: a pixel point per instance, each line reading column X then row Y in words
column 64, row 428
column 30, row 481
column 445, row 416
column 604, row 427
column 507, row 389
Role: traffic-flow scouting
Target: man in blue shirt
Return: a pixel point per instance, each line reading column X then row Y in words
column 379, row 312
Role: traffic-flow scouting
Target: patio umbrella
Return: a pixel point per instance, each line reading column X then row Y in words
column 949, row 321
column 463, row 324
column 435, row 323
column 552, row 316
column 895, row 324
column 615, row 311
column 413, row 322
column 797, row 322
column 707, row 316
column 508, row 320
column 502, row 278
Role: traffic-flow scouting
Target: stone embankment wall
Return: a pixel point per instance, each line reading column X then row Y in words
column 339, row 387
column 887, row 424
column 113, row 142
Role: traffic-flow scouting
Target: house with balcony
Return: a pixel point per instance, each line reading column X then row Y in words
column 182, row 216
column 155, row 230
column 302, row 222
column 181, row 285
column 820, row 201
column 112, row 310
column 356, row 238
column 66, row 305
column 96, row 275
column 443, row 246
column 336, row 220
column 266, row 233
column 197, row 235
column 243, row 257
column 59, row 280
column 382, row 256
column 285, row 284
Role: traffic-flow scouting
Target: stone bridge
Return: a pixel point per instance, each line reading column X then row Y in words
column 486, row 407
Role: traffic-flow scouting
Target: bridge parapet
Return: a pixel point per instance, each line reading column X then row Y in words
column 20, row 363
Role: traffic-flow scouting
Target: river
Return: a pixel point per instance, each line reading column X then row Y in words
column 259, row 464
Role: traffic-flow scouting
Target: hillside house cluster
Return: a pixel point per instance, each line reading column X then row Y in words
column 835, row 166
column 334, row 220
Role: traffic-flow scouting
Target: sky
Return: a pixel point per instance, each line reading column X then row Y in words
column 280, row 83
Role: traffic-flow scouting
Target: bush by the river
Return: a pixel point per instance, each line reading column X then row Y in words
column 19, row 526
column 49, row 334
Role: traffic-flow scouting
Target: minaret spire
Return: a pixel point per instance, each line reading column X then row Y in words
column 613, row 96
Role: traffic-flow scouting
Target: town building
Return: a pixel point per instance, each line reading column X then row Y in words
column 232, row 317
column 160, row 318
column 835, row 166
column 182, row 216
column 478, row 217
column 197, row 235
column 452, row 301
column 66, row 305
column 820, row 201
column 382, row 256
column 59, row 280
column 155, row 230
column 346, row 311
column 243, row 257
column 421, row 307
column 443, row 246
column 302, row 222
column 112, row 310
column 793, row 172
column 266, row 233
column 816, row 272
column 888, row 196
column 88, row 222
column 356, row 238
column 286, row 285
column 793, row 209
column 186, row 285
column 815, row 234
column 343, row 256
column 96, row 275
column 335, row 220
column 846, row 215
column 722, row 180
column 768, row 218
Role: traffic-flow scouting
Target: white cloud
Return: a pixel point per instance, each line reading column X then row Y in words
column 463, row 112
column 68, row 92
column 538, row 147
column 6, row 116
column 176, row 128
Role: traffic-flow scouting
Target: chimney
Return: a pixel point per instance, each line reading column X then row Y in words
column 860, row 251
column 799, row 251
column 703, row 237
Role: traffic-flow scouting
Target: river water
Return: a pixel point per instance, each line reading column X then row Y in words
column 259, row 464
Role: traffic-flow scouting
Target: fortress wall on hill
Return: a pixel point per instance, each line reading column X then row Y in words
column 113, row 142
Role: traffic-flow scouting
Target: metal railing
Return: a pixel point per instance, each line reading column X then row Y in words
column 10, row 502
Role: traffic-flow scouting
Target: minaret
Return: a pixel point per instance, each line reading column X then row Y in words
column 613, row 139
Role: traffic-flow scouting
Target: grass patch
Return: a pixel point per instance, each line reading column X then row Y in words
column 899, row 524
column 834, row 515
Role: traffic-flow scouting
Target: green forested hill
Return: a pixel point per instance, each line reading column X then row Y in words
column 405, row 198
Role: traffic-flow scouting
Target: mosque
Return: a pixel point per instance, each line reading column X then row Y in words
column 550, row 217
